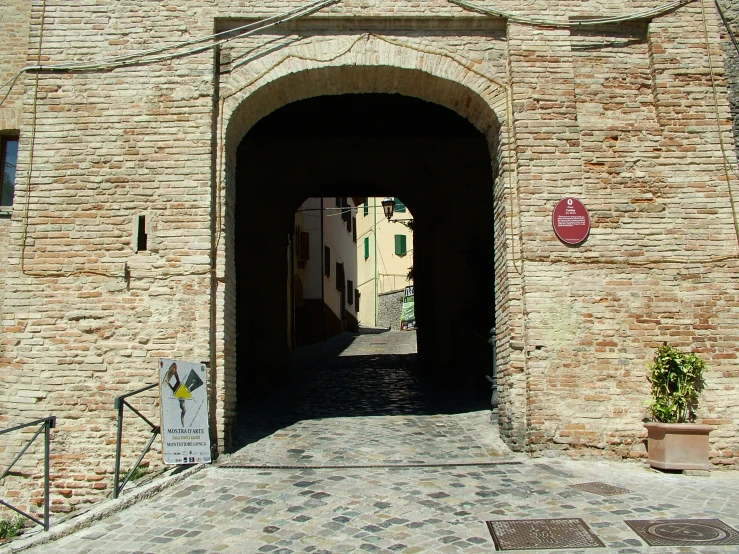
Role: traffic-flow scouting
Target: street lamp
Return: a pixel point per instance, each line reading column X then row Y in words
column 388, row 204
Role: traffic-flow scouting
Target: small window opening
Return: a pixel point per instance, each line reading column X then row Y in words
column 141, row 238
column 340, row 284
column 8, row 160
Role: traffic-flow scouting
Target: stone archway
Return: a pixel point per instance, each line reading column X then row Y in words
column 276, row 80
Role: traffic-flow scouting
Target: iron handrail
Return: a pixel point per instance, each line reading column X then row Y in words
column 119, row 403
column 46, row 424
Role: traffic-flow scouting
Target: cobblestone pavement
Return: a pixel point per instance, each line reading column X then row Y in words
column 357, row 400
column 408, row 480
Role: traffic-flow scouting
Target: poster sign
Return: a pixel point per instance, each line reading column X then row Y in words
column 408, row 311
column 184, row 401
column 571, row 221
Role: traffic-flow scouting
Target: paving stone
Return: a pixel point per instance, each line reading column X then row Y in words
column 433, row 507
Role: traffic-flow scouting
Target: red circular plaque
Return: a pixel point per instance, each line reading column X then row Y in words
column 571, row 221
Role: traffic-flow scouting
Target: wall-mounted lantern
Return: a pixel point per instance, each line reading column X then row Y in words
column 388, row 205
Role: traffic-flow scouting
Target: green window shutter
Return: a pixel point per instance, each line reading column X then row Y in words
column 400, row 246
column 366, row 247
column 399, row 206
column 366, row 207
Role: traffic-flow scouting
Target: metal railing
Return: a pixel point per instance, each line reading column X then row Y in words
column 119, row 403
column 45, row 425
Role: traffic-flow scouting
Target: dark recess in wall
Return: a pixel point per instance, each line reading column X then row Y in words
column 369, row 145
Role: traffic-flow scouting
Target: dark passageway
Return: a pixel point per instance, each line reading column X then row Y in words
column 369, row 145
column 346, row 397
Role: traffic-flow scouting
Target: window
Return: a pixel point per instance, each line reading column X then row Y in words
column 356, row 299
column 366, row 207
column 349, row 292
column 340, row 277
column 400, row 246
column 354, row 230
column 366, row 247
column 8, row 161
column 399, row 206
column 304, row 246
column 327, row 261
column 346, row 213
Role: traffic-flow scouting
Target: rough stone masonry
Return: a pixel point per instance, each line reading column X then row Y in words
column 631, row 118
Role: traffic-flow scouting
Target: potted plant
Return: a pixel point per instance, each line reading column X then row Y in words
column 675, row 441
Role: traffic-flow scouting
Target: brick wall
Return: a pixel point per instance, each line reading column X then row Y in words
column 622, row 118
column 14, row 28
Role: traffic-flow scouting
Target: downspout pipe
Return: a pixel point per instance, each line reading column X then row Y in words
column 374, row 233
column 494, row 342
column 321, row 273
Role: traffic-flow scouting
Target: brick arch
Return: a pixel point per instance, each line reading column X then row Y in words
column 269, row 83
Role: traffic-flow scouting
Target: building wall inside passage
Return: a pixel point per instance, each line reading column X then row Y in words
column 623, row 118
column 390, row 306
column 386, row 271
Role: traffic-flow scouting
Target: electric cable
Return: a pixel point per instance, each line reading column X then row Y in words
column 726, row 24
column 138, row 58
column 586, row 21
column 725, row 158
column 151, row 56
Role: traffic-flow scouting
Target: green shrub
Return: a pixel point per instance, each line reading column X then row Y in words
column 138, row 473
column 677, row 381
column 10, row 528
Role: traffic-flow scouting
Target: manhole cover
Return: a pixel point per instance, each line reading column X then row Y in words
column 603, row 489
column 523, row 534
column 684, row 532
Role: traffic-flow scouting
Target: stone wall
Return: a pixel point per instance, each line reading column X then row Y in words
column 14, row 28
column 623, row 118
column 389, row 309
column 731, row 62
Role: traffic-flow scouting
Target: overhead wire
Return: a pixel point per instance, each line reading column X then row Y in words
column 149, row 56
column 171, row 52
column 585, row 21
column 138, row 58
column 726, row 24
column 725, row 158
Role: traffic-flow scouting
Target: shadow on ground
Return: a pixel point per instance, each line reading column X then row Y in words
column 339, row 378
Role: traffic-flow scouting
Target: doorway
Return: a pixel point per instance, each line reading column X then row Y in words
column 369, row 145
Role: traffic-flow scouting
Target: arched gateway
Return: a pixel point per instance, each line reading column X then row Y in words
column 118, row 247
column 354, row 66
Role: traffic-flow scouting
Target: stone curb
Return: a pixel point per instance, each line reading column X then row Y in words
column 102, row 510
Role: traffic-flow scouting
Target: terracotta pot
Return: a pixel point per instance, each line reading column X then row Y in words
column 678, row 445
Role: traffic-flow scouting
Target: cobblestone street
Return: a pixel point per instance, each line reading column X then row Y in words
column 357, row 401
column 359, row 455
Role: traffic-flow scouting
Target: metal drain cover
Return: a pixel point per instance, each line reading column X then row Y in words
column 524, row 534
column 684, row 532
column 603, row 489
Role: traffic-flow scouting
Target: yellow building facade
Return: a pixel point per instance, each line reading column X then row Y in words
column 384, row 259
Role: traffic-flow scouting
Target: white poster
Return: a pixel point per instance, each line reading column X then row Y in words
column 184, row 400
